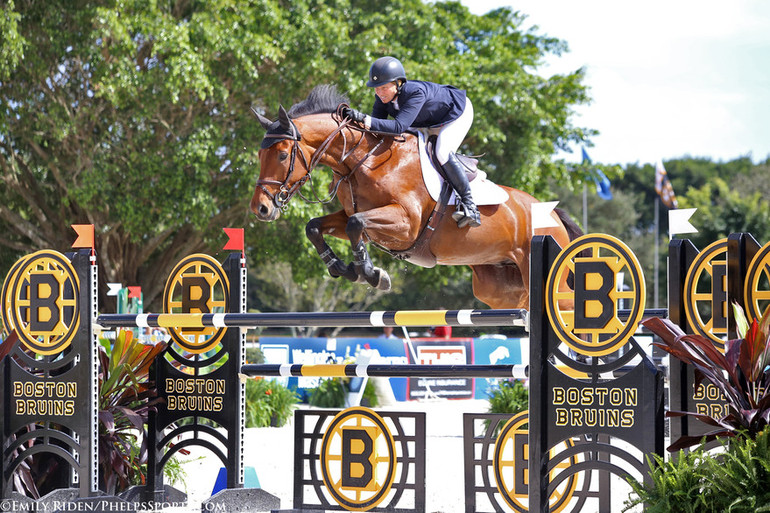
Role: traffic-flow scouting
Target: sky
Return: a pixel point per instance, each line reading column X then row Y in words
column 668, row 79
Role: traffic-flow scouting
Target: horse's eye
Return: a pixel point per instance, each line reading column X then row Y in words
column 283, row 156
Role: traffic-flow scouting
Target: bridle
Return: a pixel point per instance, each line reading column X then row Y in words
column 286, row 190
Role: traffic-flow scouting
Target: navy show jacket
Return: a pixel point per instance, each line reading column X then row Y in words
column 420, row 105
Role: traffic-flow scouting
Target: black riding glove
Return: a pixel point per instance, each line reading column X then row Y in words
column 358, row 117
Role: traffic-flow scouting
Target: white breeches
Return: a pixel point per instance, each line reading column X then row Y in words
column 451, row 135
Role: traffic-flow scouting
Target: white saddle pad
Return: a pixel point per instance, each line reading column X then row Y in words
column 484, row 192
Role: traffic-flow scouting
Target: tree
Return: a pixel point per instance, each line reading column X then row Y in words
column 134, row 116
column 618, row 217
column 724, row 209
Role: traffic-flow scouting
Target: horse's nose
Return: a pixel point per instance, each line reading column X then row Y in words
column 262, row 208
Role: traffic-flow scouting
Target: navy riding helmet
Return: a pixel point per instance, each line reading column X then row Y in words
column 384, row 70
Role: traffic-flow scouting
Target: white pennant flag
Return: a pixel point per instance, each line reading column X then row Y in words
column 114, row 288
column 679, row 221
column 541, row 215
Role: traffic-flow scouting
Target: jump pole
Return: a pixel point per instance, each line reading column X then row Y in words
column 387, row 371
column 505, row 317
column 395, row 318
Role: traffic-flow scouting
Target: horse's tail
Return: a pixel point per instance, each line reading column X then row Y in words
column 573, row 230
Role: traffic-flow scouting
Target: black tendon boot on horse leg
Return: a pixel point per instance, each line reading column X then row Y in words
column 466, row 214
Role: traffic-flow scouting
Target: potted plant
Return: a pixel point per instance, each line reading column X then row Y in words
column 510, row 397
column 330, row 393
column 268, row 403
column 735, row 478
column 125, row 398
column 741, row 374
column 126, row 395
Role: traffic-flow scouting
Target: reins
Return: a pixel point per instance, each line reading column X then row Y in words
column 286, row 192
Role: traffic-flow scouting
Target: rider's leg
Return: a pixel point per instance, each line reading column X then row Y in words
column 466, row 213
column 449, row 139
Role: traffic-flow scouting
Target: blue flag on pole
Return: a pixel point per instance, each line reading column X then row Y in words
column 602, row 182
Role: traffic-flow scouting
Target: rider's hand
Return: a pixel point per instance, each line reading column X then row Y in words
column 358, row 117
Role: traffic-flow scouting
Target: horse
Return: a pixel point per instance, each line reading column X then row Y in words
column 378, row 182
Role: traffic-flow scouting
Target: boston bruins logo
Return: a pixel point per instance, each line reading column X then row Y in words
column 41, row 302
column 511, row 467
column 358, row 459
column 756, row 288
column 607, row 280
column 197, row 284
column 705, row 293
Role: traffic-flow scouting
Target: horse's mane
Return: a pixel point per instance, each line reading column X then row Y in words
column 323, row 98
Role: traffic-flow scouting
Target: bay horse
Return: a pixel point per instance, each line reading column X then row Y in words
column 377, row 178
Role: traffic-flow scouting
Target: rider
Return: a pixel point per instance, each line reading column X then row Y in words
column 443, row 109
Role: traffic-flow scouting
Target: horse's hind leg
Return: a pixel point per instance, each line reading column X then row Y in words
column 500, row 286
column 332, row 224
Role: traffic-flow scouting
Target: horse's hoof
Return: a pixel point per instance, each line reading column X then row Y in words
column 383, row 283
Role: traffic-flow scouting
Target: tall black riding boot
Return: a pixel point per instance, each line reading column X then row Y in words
column 466, row 213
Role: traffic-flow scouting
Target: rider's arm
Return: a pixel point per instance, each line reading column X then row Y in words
column 410, row 103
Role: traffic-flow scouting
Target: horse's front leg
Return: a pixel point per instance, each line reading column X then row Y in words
column 334, row 225
column 390, row 225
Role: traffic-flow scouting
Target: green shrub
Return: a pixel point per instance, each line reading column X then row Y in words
column 369, row 398
column 734, row 480
column 737, row 481
column 268, row 403
column 675, row 485
column 330, row 393
column 254, row 355
column 511, row 397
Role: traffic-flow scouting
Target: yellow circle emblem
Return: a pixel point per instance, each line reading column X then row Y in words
column 42, row 301
column 756, row 288
column 5, row 296
column 197, row 284
column 607, row 278
column 358, row 459
column 705, row 293
column 511, row 467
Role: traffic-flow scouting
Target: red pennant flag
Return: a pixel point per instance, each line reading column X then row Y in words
column 135, row 292
column 235, row 242
column 85, row 236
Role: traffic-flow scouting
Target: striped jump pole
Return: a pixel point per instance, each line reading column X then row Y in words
column 510, row 317
column 387, row 371
column 408, row 318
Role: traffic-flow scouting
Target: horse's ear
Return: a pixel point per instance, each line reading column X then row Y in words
column 262, row 119
column 283, row 118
